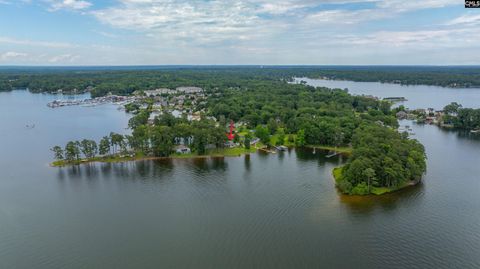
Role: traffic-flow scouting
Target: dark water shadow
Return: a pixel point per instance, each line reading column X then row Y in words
column 74, row 171
column 309, row 154
column 208, row 164
column 387, row 202
column 247, row 162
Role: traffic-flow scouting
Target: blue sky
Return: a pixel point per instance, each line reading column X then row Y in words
column 158, row 32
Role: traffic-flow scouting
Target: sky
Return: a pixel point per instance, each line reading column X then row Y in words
column 231, row 32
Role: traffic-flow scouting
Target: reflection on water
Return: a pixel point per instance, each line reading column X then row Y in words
column 256, row 211
column 368, row 204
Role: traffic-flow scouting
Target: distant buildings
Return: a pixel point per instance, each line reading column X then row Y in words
column 189, row 90
column 401, row 115
column 158, row 92
column 179, row 90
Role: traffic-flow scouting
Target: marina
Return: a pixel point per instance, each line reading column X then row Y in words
column 115, row 99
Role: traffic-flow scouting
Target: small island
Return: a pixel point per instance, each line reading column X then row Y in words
column 236, row 113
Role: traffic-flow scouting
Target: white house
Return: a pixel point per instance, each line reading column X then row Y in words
column 182, row 149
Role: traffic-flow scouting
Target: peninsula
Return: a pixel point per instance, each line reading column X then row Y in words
column 232, row 113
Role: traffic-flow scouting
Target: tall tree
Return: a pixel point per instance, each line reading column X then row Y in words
column 89, row 148
column 72, row 151
column 116, row 141
column 162, row 141
column 104, row 146
column 58, row 152
column 300, row 141
column 263, row 134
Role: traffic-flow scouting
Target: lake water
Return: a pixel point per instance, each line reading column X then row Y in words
column 418, row 96
column 257, row 211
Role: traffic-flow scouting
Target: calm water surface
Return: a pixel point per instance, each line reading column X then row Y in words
column 418, row 96
column 257, row 211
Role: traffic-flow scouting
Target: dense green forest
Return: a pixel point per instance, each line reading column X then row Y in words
column 321, row 116
column 125, row 80
column 271, row 109
column 381, row 158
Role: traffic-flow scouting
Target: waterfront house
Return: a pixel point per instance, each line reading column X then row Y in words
column 153, row 115
column 189, row 90
column 230, row 144
column 401, row 115
column 157, row 92
column 182, row 149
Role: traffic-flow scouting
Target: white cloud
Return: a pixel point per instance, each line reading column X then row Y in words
column 12, row 55
column 68, row 4
column 409, row 5
column 186, row 21
column 420, row 39
column 468, row 19
column 254, row 31
column 63, row 59
column 14, row 41
column 217, row 20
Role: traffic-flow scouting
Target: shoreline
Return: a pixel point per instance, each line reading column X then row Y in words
column 341, row 150
column 229, row 152
column 135, row 159
column 399, row 82
column 336, row 175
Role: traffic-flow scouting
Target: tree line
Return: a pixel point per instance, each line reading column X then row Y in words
column 124, row 81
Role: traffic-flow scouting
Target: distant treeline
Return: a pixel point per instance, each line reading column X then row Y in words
column 125, row 80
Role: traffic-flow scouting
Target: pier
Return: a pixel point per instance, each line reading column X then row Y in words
column 122, row 100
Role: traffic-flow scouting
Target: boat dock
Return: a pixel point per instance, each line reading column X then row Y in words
column 281, row 148
column 111, row 99
column 332, row 154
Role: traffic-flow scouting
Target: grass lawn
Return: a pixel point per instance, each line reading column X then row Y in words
column 344, row 150
column 383, row 190
column 286, row 142
column 380, row 190
column 227, row 152
column 337, row 173
column 231, row 151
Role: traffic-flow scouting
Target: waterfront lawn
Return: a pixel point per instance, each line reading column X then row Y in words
column 337, row 174
column 237, row 151
column 343, row 150
column 225, row 152
column 286, row 142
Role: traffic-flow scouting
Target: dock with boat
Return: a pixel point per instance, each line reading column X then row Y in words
column 395, row 99
column 332, row 154
column 281, row 148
